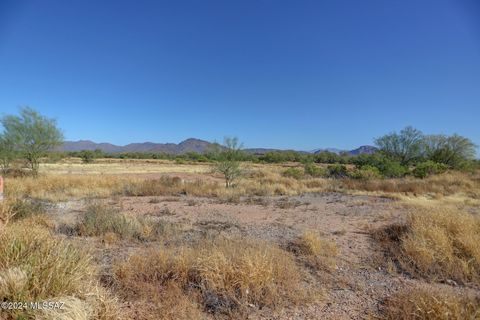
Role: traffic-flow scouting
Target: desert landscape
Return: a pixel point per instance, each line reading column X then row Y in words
column 138, row 239
column 252, row 159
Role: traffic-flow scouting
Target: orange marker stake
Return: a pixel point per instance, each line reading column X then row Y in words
column 1, row 188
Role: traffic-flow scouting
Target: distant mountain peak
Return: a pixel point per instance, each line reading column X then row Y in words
column 187, row 145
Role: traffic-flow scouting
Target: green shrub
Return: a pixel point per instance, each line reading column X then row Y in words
column 314, row 170
column 87, row 156
column 392, row 169
column 366, row 172
column 387, row 167
column 295, row 173
column 427, row 168
column 337, row 171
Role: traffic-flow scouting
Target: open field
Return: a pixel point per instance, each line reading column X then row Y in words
column 157, row 239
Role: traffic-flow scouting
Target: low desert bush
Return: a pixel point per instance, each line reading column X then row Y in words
column 222, row 275
column 295, row 173
column 337, row 171
column 313, row 170
column 392, row 169
column 428, row 168
column 366, row 173
column 35, row 266
column 431, row 304
column 437, row 244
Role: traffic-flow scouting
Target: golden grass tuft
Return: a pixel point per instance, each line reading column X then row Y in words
column 431, row 304
column 437, row 243
column 111, row 224
column 319, row 252
column 35, row 266
column 225, row 275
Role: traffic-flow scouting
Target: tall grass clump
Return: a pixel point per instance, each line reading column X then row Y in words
column 431, row 304
column 101, row 220
column 24, row 208
column 318, row 251
column 35, row 266
column 221, row 275
column 437, row 244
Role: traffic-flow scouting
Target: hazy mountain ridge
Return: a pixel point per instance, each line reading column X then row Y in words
column 188, row 145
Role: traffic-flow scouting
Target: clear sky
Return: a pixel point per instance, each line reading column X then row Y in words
column 284, row 74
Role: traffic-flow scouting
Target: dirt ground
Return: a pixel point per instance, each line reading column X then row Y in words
column 355, row 289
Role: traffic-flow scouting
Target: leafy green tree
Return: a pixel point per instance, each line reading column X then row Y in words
column 228, row 160
column 7, row 153
column 404, row 147
column 454, row 151
column 32, row 134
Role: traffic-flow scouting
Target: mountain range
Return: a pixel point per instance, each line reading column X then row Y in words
column 189, row 145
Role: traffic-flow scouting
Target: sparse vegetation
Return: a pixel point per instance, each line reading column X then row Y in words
column 221, row 275
column 201, row 267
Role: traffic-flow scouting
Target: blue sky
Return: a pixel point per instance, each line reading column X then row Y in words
column 284, row 74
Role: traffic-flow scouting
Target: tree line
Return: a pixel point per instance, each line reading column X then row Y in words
column 29, row 136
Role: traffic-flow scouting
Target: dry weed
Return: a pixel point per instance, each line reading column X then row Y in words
column 436, row 243
column 431, row 304
column 319, row 252
column 225, row 275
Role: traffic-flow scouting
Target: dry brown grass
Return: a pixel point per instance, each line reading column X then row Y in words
column 445, row 184
column 262, row 180
column 220, row 275
column 35, row 266
column 319, row 252
column 63, row 187
column 111, row 224
column 431, row 304
column 438, row 244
